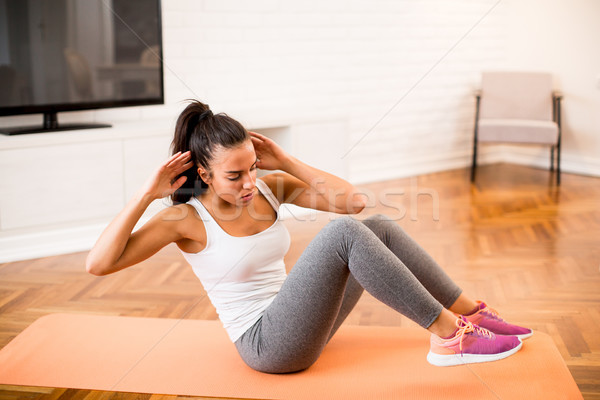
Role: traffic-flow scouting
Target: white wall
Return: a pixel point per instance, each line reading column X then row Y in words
column 399, row 73
column 393, row 78
column 283, row 60
column 408, row 62
column 562, row 38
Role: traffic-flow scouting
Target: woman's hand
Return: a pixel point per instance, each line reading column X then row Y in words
column 163, row 182
column 270, row 155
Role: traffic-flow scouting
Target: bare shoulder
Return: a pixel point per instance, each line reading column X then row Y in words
column 284, row 186
column 181, row 221
column 279, row 183
column 176, row 213
column 188, row 223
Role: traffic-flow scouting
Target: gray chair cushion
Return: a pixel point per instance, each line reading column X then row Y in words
column 517, row 130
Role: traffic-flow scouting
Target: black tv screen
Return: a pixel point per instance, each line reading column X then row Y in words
column 65, row 55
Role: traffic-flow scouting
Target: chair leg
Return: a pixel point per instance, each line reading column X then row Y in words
column 558, row 143
column 558, row 164
column 474, row 163
column 552, row 158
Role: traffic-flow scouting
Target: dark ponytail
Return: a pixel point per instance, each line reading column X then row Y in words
column 202, row 132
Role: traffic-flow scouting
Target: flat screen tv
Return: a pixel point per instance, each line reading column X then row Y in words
column 67, row 55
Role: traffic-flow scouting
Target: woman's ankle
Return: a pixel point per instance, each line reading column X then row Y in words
column 463, row 305
column 444, row 325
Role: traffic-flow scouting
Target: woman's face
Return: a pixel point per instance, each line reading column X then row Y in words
column 233, row 174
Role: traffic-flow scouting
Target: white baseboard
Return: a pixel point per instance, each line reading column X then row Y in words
column 534, row 156
column 417, row 165
column 49, row 243
column 540, row 157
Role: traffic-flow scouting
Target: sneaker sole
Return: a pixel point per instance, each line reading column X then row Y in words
column 448, row 360
column 525, row 335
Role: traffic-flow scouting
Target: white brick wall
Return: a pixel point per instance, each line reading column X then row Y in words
column 390, row 81
column 351, row 61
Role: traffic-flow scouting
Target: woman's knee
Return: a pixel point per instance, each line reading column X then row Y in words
column 379, row 222
column 381, row 225
column 384, row 227
column 344, row 224
column 376, row 218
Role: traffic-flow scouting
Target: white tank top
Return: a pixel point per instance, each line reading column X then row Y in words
column 241, row 275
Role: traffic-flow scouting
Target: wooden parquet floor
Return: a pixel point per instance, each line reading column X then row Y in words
column 529, row 249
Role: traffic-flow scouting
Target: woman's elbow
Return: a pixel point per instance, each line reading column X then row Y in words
column 357, row 208
column 95, row 268
column 356, row 203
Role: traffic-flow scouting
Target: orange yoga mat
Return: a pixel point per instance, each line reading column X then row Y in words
column 189, row 357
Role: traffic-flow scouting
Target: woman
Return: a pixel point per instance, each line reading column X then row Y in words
column 225, row 222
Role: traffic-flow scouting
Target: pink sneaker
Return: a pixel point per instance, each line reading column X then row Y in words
column 471, row 344
column 489, row 319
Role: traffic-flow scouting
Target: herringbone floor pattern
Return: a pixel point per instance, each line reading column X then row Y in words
column 529, row 249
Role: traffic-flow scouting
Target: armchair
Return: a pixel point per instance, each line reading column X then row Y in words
column 518, row 108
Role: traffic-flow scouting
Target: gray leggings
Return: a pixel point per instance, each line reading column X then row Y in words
column 325, row 284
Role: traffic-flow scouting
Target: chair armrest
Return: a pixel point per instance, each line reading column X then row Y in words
column 556, row 98
column 556, row 95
